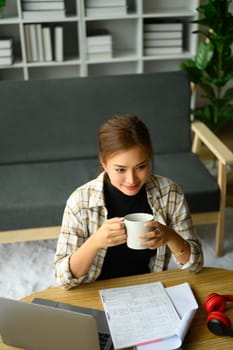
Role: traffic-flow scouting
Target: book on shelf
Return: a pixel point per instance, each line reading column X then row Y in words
column 99, row 48
column 49, row 5
column 43, row 14
column 6, row 43
column 58, row 44
column 39, row 38
column 163, row 35
column 95, row 56
column 106, row 11
column 149, row 316
column 7, row 60
column 162, row 50
column 164, row 27
column 27, row 42
column 162, row 42
column 101, row 3
column 99, row 37
column 6, row 52
column 33, row 42
column 99, row 40
column 47, row 43
column 39, row 42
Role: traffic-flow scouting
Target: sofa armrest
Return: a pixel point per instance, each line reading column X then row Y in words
column 203, row 134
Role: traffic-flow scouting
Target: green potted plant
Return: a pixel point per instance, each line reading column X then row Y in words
column 211, row 70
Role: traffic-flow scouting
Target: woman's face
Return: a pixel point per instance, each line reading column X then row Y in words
column 128, row 170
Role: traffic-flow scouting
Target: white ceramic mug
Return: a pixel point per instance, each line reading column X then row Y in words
column 134, row 224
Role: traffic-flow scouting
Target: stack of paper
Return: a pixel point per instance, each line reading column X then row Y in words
column 6, row 51
column 163, row 38
column 100, row 8
column 149, row 316
column 37, row 9
column 99, row 45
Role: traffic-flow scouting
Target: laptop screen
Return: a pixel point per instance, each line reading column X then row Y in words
column 39, row 327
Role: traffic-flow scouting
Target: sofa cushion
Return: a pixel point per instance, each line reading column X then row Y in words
column 200, row 187
column 59, row 119
column 34, row 194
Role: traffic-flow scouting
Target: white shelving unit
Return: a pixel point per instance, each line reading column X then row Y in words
column 127, row 33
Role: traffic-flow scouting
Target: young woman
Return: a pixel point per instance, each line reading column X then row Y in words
column 92, row 243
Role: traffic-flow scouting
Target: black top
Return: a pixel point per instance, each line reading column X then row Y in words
column 121, row 260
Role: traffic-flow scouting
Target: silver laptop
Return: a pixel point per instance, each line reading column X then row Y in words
column 48, row 325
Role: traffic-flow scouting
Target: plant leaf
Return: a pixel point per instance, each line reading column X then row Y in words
column 204, row 54
column 194, row 73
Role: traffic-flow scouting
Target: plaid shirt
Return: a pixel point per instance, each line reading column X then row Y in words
column 85, row 212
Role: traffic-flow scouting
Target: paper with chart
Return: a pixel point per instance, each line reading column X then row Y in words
column 186, row 306
column 139, row 313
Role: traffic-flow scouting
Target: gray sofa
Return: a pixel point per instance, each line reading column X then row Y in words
column 48, row 140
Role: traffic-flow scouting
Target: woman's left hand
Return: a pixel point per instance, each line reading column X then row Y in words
column 157, row 237
column 161, row 235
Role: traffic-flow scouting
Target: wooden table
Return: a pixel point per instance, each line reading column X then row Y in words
column 209, row 280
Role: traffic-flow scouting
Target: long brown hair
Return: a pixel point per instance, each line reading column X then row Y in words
column 122, row 132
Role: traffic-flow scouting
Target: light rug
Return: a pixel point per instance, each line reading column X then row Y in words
column 27, row 267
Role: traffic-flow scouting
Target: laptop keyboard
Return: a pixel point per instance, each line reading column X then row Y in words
column 103, row 339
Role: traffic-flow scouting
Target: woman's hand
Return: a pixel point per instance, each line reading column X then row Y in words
column 161, row 235
column 158, row 236
column 111, row 233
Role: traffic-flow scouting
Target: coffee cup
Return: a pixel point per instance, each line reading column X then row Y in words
column 134, row 224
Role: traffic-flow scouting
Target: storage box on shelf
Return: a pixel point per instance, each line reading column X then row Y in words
column 50, row 37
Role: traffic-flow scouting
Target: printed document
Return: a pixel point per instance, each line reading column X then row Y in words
column 186, row 306
column 139, row 314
